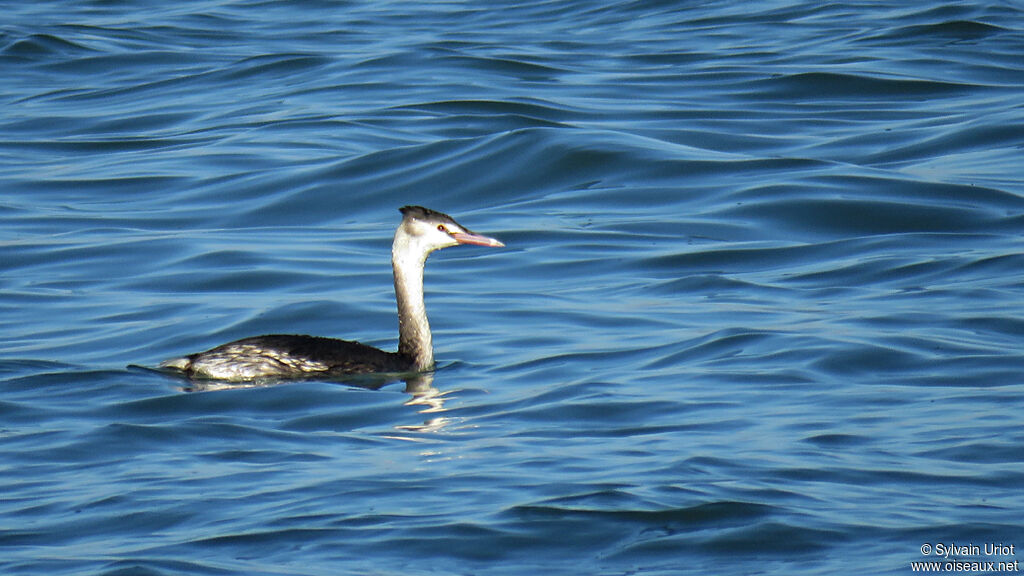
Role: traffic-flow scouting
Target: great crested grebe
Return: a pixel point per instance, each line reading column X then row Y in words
column 292, row 356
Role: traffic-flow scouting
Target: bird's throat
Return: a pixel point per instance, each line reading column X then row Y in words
column 414, row 338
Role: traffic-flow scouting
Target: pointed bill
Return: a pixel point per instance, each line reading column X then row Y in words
column 475, row 239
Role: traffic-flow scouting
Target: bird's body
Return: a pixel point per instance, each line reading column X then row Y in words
column 292, row 356
column 288, row 356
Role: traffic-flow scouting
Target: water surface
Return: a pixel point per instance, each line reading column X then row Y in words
column 760, row 309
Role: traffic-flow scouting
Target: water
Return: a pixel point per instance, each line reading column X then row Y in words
column 761, row 309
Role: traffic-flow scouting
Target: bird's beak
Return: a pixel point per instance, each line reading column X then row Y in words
column 475, row 239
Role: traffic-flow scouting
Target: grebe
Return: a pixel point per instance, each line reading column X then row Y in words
column 288, row 356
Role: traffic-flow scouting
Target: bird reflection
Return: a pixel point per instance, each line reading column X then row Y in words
column 419, row 386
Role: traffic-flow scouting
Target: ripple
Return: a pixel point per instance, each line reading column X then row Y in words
column 40, row 46
column 825, row 86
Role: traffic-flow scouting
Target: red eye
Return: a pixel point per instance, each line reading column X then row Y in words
column 442, row 228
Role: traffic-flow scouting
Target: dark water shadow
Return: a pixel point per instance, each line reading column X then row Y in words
column 418, row 385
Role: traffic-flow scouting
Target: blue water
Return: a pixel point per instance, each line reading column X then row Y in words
column 761, row 309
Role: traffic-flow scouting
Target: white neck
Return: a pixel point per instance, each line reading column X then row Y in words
column 414, row 338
